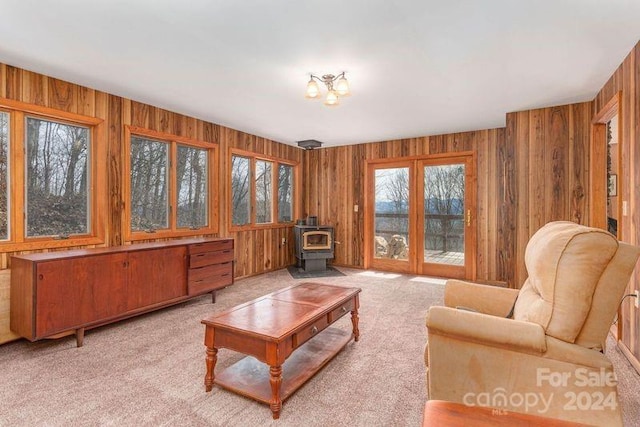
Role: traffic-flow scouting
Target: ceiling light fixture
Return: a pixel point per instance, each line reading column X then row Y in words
column 333, row 93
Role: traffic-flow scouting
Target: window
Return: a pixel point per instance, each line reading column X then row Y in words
column 170, row 181
column 264, row 175
column 262, row 190
column 49, row 166
column 4, row 175
column 193, row 193
column 57, row 200
column 240, row 200
column 149, row 184
column 285, row 193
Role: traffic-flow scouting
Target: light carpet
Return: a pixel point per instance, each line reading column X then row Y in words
column 149, row 370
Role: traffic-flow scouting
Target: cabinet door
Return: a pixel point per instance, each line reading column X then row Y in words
column 156, row 276
column 75, row 292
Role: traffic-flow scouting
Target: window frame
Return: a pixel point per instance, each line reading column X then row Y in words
column 96, row 208
column 212, row 188
column 253, row 158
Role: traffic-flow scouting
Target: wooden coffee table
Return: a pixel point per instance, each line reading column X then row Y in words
column 276, row 332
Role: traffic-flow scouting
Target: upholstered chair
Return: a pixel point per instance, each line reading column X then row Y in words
column 538, row 350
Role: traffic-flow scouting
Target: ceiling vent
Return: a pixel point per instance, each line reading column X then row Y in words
column 309, row 144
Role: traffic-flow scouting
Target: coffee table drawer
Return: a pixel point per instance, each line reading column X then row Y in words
column 305, row 333
column 341, row 311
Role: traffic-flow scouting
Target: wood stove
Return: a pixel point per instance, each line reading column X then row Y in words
column 314, row 246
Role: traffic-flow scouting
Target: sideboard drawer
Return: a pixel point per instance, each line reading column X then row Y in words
column 217, row 245
column 209, row 278
column 207, row 258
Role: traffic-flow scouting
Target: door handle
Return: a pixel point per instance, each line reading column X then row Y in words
column 468, row 217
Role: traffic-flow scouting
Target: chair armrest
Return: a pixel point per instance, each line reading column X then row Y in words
column 482, row 298
column 485, row 329
column 575, row 354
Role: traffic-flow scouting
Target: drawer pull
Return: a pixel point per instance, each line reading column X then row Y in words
column 225, row 274
column 314, row 330
column 226, row 252
column 344, row 309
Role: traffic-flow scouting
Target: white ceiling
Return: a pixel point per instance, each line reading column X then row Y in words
column 416, row 67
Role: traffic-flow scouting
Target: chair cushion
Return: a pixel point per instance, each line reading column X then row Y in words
column 565, row 262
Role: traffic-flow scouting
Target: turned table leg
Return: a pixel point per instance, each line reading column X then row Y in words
column 354, row 322
column 275, row 379
column 211, row 359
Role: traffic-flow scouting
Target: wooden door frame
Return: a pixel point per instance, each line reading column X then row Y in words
column 598, row 157
column 598, row 175
column 413, row 266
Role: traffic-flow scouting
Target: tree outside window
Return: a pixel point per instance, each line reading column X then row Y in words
column 285, row 193
column 261, row 190
column 149, row 189
column 192, row 171
column 240, row 197
column 264, row 176
column 57, row 165
column 4, row 176
column 171, row 186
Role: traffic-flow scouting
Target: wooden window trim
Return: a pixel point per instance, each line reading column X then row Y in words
column 212, row 187
column 18, row 111
column 274, row 205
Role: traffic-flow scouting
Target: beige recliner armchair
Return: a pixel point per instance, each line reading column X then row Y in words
column 537, row 350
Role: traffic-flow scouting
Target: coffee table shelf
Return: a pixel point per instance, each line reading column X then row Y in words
column 249, row 377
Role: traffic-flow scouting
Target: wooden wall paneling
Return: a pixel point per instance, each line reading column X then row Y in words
column 521, row 134
column 632, row 191
column 506, row 215
column 537, row 170
column 85, row 101
column 628, row 180
column 164, row 120
column 625, row 80
column 140, row 115
column 13, row 83
column 35, row 89
column 579, row 120
column 62, row 95
column 555, row 148
column 114, row 143
column 3, row 80
column 5, row 290
column 482, row 212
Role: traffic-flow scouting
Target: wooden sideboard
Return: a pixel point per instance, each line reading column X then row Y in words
column 57, row 293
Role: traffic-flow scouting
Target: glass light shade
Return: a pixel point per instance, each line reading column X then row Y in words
column 332, row 98
column 313, row 91
column 342, row 86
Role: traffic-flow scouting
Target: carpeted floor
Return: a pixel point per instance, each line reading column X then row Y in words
column 299, row 273
column 149, row 370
